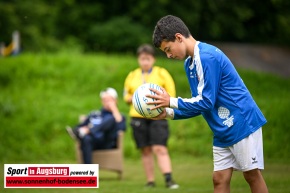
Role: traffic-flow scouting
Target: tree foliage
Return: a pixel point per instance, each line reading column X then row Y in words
column 114, row 25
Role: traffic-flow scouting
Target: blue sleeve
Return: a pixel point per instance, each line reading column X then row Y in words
column 178, row 114
column 121, row 125
column 208, row 71
column 107, row 124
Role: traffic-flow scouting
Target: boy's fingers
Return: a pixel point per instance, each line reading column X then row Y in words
column 155, row 107
column 152, row 96
column 163, row 90
column 154, row 102
column 154, row 90
column 160, row 116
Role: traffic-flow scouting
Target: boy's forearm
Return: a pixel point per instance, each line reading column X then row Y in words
column 195, row 104
column 178, row 114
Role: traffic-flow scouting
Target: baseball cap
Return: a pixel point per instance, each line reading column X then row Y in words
column 110, row 91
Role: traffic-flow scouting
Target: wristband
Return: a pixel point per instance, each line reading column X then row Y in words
column 169, row 113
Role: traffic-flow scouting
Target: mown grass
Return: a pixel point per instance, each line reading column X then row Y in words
column 192, row 174
column 42, row 93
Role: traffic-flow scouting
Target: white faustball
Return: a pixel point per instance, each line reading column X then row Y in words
column 139, row 100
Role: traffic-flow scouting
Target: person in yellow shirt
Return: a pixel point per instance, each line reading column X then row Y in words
column 150, row 135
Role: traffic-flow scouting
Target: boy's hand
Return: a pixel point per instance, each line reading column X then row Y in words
column 162, row 99
column 160, row 116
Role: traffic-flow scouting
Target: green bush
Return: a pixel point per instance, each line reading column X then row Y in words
column 46, row 25
column 118, row 35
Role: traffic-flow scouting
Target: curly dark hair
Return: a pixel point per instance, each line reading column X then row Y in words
column 167, row 27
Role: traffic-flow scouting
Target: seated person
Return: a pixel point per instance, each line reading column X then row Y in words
column 99, row 130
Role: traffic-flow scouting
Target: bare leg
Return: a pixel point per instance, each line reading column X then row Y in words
column 163, row 158
column 221, row 180
column 148, row 163
column 256, row 181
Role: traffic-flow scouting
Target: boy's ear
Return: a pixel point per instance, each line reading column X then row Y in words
column 178, row 37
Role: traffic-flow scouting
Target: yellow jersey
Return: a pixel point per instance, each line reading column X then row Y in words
column 156, row 75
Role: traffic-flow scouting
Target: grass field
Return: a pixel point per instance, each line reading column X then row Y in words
column 42, row 93
column 193, row 175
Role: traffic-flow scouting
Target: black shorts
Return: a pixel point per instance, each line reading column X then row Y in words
column 149, row 132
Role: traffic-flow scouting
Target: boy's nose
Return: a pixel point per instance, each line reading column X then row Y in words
column 169, row 55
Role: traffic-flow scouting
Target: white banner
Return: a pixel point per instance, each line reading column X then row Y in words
column 51, row 175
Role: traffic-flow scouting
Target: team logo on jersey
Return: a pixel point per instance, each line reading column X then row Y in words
column 191, row 66
column 224, row 113
column 191, row 75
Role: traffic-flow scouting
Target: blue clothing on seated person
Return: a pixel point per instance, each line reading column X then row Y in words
column 103, row 132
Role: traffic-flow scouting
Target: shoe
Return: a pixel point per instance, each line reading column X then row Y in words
column 150, row 185
column 71, row 132
column 172, row 185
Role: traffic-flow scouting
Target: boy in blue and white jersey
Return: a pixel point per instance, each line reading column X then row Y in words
column 221, row 97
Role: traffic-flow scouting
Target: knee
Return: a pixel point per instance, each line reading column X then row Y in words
column 146, row 151
column 252, row 175
column 160, row 150
column 219, row 178
column 87, row 139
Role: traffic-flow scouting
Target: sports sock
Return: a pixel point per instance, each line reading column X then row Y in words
column 167, row 177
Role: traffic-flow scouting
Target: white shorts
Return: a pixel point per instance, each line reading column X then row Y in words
column 245, row 155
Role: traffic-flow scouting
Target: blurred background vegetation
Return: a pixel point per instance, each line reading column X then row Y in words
column 72, row 49
column 42, row 93
column 89, row 25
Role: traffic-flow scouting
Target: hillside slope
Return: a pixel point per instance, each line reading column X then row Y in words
column 41, row 94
